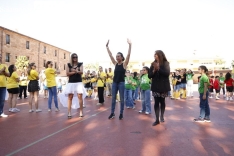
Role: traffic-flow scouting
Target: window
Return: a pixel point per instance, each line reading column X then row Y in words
column 27, row 44
column 64, row 67
column 7, row 57
column 44, row 49
column 7, row 39
column 64, row 56
column 55, row 53
column 44, row 63
column 28, row 57
column 55, row 65
column 15, row 57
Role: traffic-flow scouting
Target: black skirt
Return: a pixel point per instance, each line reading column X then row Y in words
column 33, row 86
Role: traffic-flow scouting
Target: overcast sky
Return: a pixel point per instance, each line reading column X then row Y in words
column 178, row 27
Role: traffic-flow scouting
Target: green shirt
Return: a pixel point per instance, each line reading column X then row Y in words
column 189, row 76
column 221, row 81
column 204, row 79
column 145, row 82
column 134, row 86
column 127, row 84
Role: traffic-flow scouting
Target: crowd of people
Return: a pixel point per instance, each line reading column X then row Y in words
column 122, row 85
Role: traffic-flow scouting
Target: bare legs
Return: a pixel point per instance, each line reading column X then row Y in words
column 80, row 98
column 33, row 95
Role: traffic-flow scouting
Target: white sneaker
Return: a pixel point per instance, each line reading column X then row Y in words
column 133, row 107
column 3, row 115
column 57, row 110
column 31, row 110
column 147, row 113
column 231, row 98
column 140, row 111
column 224, row 96
column 128, row 107
column 10, row 109
column 84, row 106
column 210, row 97
column 99, row 104
column 38, row 110
column 227, row 98
column 217, row 98
column 49, row 110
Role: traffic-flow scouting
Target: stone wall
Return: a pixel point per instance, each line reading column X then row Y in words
column 17, row 47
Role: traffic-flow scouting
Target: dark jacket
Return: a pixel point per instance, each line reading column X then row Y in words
column 160, row 78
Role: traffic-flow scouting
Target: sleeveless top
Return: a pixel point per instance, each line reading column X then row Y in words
column 75, row 77
column 119, row 73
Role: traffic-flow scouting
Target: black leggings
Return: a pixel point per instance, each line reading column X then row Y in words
column 159, row 100
column 101, row 94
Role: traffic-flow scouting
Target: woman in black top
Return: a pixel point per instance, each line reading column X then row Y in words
column 75, row 86
column 118, row 80
column 159, row 73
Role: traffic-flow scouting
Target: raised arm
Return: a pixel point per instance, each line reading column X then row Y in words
column 110, row 54
column 129, row 53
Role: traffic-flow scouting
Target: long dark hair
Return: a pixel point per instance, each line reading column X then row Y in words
column 47, row 63
column 161, row 56
column 228, row 76
column 30, row 68
column 135, row 75
column 11, row 69
column 121, row 54
column 204, row 68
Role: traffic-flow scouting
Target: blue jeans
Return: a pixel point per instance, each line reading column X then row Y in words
column 146, row 100
column 204, row 107
column 2, row 98
column 128, row 98
column 52, row 93
column 115, row 88
column 135, row 94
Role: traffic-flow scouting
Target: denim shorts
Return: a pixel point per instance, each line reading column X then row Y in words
column 183, row 85
column 177, row 87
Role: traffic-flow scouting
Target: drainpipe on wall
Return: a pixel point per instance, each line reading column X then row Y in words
column 2, row 41
column 38, row 55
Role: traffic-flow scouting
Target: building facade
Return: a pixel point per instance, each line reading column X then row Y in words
column 14, row 44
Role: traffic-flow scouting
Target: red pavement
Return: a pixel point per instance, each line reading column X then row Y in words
column 51, row 133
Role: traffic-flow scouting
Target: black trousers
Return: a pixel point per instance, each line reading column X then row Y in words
column 157, row 107
column 23, row 89
column 101, row 94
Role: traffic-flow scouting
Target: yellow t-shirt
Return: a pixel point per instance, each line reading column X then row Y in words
column 11, row 81
column 110, row 80
column 33, row 75
column 50, row 77
column 100, row 82
column 3, row 81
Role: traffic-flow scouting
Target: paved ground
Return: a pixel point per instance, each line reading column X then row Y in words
column 51, row 133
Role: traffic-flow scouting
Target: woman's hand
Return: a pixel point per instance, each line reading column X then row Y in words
column 156, row 66
column 107, row 44
column 129, row 42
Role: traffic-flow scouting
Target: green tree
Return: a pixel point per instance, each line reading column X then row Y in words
column 91, row 66
column 22, row 63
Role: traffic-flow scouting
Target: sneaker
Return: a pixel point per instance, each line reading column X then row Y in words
column 38, row 110
column 147, row 113
column 49, row 110
column 84, row 106
column 128, row 107
column 10, row 109
column 227, row 98
column 26, row 97
column 17, row 109
column 19, row 98
column 140, row 111
column 198, row 120
column 217, row 98
column 31, row 110
column 231, row 98
column 210, row 97
column 120, row 116
column 133, row 107
column 3, row 115
column 207, row 120
column 112, row 115
column 57, row 110
column 99, row 104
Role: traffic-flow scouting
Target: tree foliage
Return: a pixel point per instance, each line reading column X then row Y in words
column 22, row 63
column 91, row 66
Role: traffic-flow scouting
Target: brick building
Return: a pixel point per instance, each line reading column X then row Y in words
column 13, row 44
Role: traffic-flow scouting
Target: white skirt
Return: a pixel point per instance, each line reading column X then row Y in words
column 72, row 88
